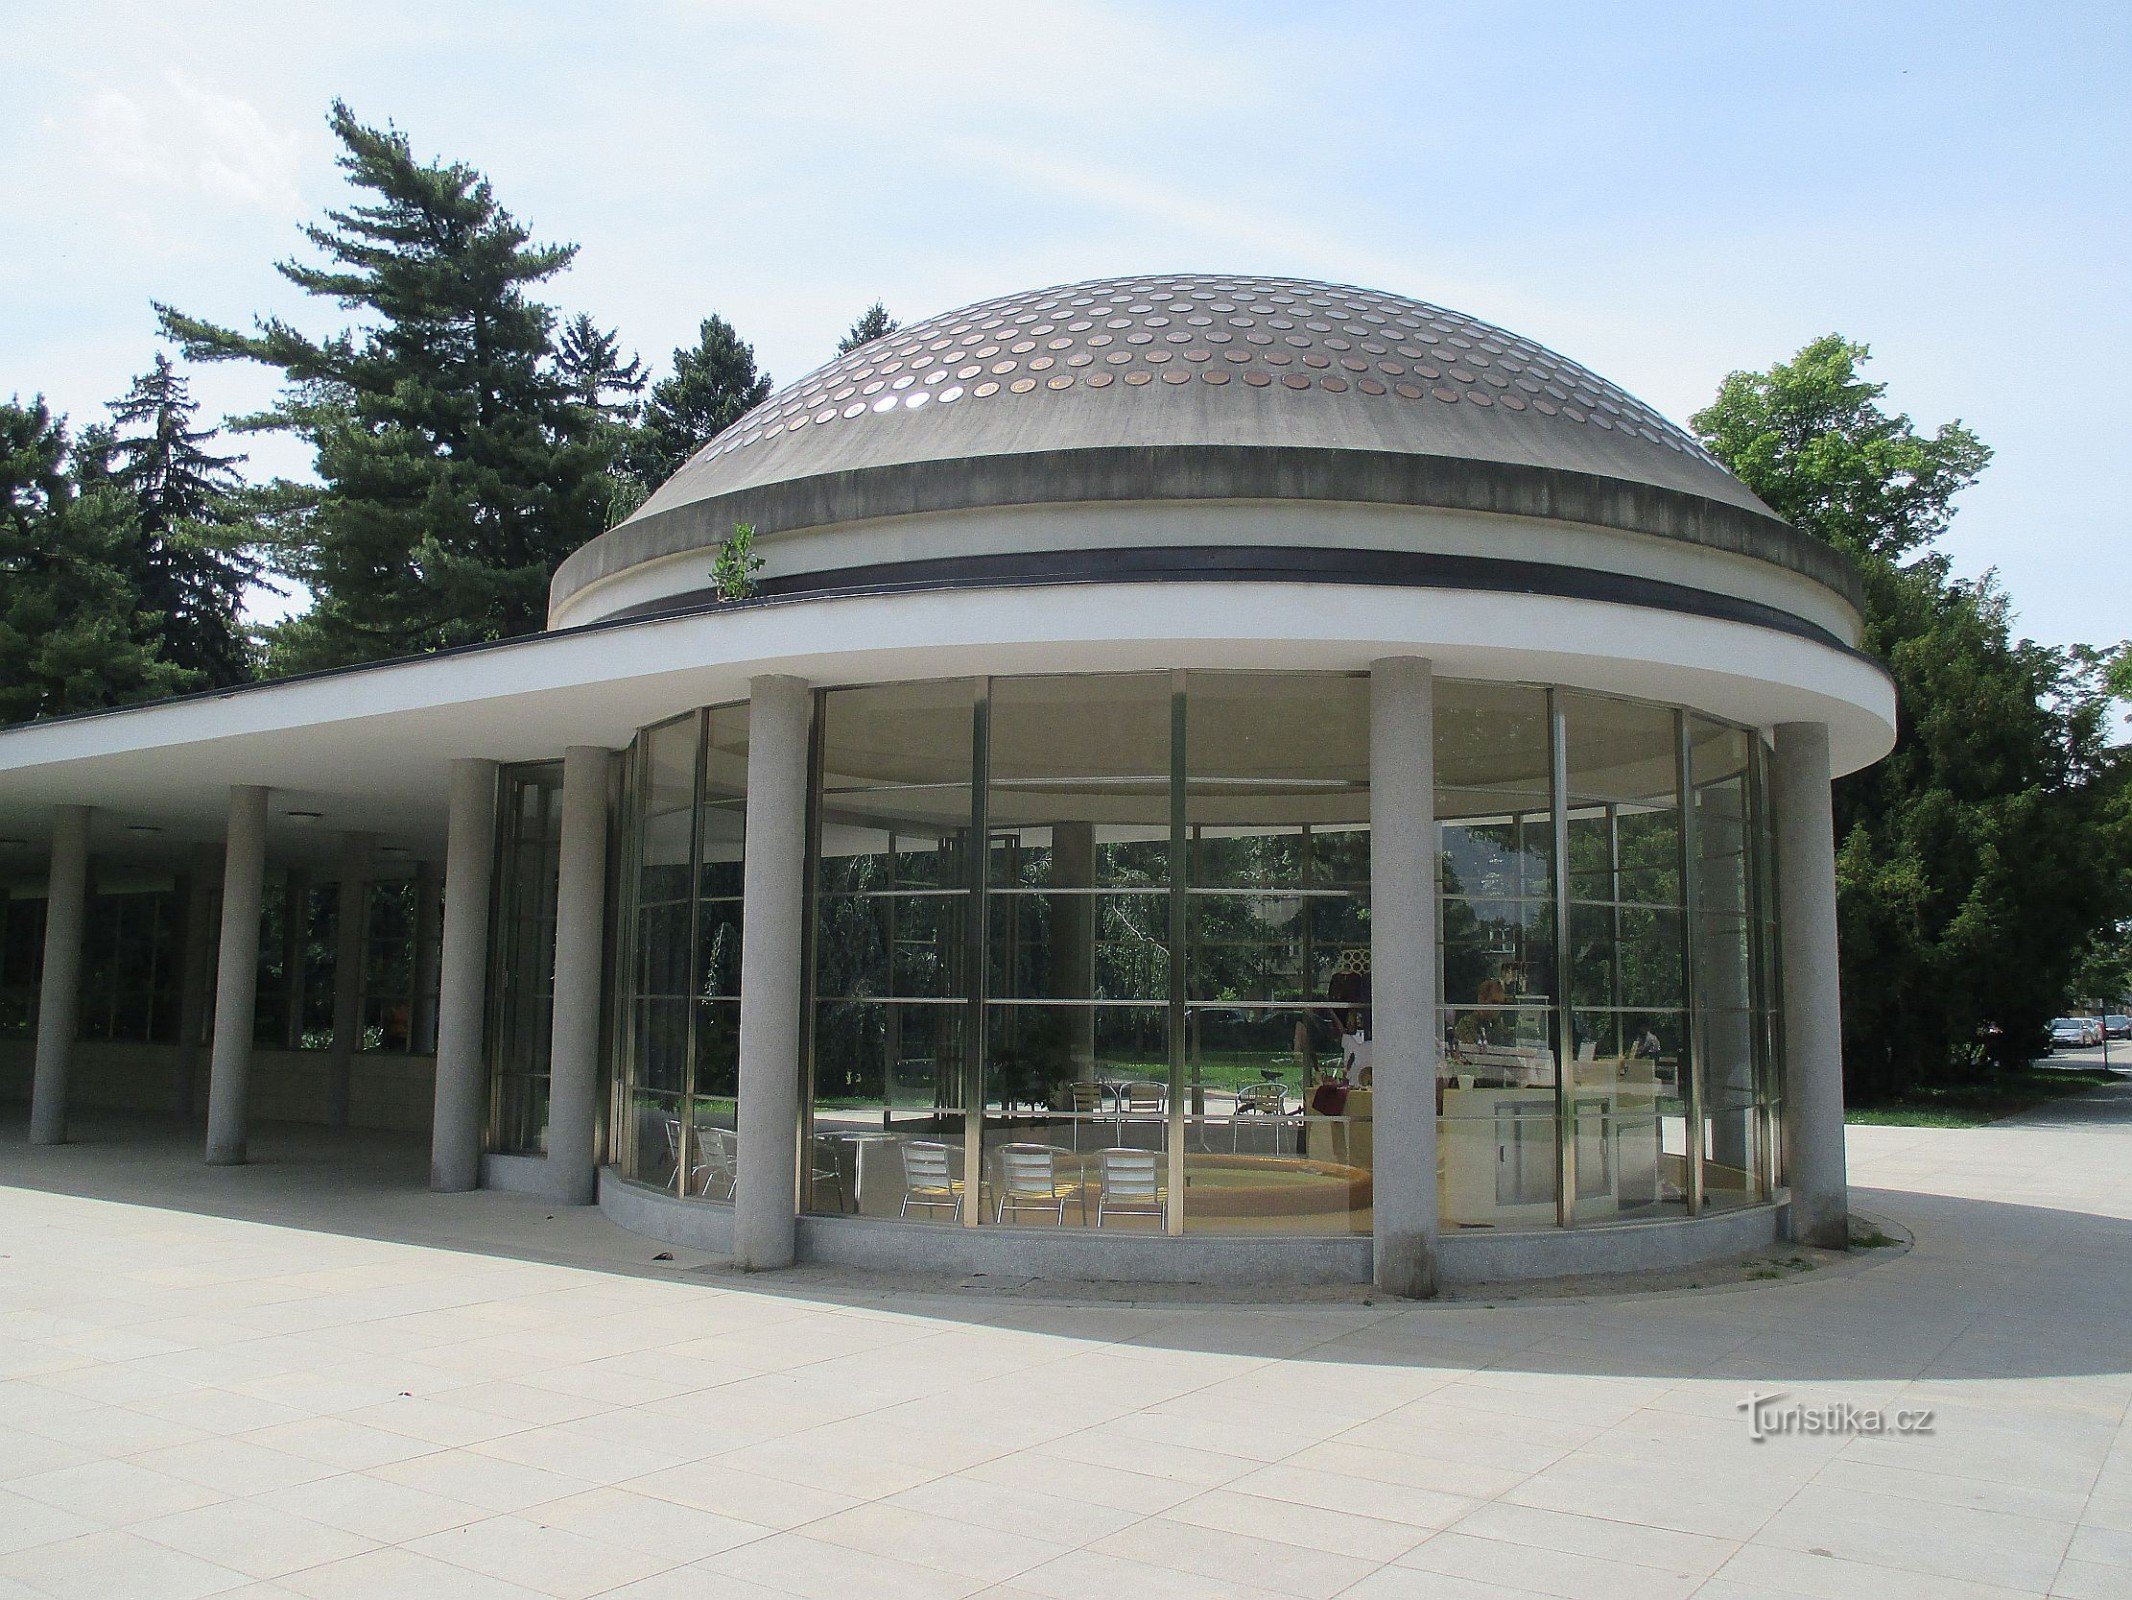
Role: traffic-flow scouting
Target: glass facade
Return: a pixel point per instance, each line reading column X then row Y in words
column 677, row 966
column 521, row 988
column 1093, row 951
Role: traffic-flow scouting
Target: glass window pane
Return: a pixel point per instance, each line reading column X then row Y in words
column 521, row 957
column 652, row 1139
column 718, row 949
column 889, row 1076
column 1497, row 952
column 1067, row 1089
column 1496, row 1117
column 662, row 1045
column 1079, row 947
column 892, row 932
column 717, row 1079
column 1277, row 1077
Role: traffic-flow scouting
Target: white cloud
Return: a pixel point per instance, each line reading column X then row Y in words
column 187, row 139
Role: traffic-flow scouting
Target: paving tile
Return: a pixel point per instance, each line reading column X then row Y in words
column 793, row 1563
column 1815, row 1576
column 1097, row 1575
column 548, row 1560
column 2092, row 1580
column 1351, row 1495
column 987, row 1554
column 259, row 1541
column 648, row 1524
column 1597, row 1536
column 234, row 1466
column 1312, row 1527
column 746, row 1496
column 361, row 1503
column 1045, row 1514
column 1538, row 1570
column 116, row 1564
column 113, row 1493
column 1236, row 1557
column 338, row 1442
column 399, row 1574
column 25, row 1522
column 499, row 1486
column 1911, row 1535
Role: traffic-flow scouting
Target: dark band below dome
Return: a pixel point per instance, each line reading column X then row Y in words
column 1408, row 569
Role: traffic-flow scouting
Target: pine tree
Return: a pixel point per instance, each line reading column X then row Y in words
column 874, row 323
column 590, row 359
column 712, row 387
column 456, row 462
column 74, row 635
column 187, row 499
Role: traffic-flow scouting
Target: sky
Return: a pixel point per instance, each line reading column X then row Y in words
column 1664, row 193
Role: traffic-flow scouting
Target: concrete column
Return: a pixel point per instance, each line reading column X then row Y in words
column 580, row 921
column 236, row 976
column 422, row 1013
column 773, row 883
column 462, row 979
column 1404, row 1031
column 1813, row 1003
column 350, row 941
column 196, row 974
column 66, row 905
column 295, row 946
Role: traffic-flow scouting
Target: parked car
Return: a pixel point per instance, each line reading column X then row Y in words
column 2117, row 1025
column 2068, row 1033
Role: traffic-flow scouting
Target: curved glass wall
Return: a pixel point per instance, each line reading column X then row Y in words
column 677, row 964
column 1093, row 951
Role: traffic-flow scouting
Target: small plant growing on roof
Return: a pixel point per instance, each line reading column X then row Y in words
column 733, row 570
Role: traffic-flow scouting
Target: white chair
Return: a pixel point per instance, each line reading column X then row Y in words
column 828, row 1167
column 717, row 1171
column 1143, row 1099
column 1130, row 1184
column 1084, row 1100
column 929, row 1180
column 1029, row 1181
column 673, row 1152
column 1265, row 1102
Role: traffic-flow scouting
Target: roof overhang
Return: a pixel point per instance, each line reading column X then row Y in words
column 370, row 748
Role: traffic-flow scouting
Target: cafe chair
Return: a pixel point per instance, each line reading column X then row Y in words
column 1029, row 1181
column 928, row 1180
column 1129, row 1184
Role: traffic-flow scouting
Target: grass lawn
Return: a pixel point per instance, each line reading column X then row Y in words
column 1980, row 1100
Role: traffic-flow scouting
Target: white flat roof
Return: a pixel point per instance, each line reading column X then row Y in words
column 370, row 747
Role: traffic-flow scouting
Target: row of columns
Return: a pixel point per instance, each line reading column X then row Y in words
column 1404, row 935
column 228, row 983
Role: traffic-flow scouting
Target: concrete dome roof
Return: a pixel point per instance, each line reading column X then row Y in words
column 1200, row 386
column 1200, row 359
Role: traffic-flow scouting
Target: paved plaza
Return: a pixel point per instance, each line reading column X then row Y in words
column 310, row 1377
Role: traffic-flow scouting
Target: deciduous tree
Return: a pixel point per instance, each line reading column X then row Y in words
column 1976, row 862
